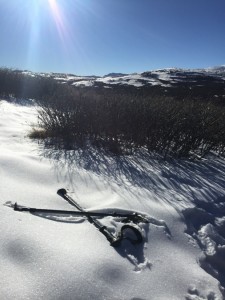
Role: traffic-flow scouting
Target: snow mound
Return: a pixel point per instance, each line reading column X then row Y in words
column 63, row 257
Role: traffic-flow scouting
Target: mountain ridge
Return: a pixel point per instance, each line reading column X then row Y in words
column 167, row 77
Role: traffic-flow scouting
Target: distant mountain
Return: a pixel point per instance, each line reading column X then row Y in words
column 162, row 77
column 217, row 70
column 173, row 81
column 115, row 75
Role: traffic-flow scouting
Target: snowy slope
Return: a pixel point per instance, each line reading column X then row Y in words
column 170, row 77
column 58, row 257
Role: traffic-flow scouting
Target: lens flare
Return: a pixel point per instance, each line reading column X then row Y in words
column 59, row 19
column 48, row 23
column 51, row 29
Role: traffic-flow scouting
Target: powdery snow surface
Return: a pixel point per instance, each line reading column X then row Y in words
column 47, row 256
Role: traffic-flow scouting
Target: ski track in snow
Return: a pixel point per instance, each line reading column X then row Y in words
column 63, row 257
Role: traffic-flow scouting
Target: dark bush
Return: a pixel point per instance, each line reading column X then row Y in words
column 123, row 123
column 121, row 119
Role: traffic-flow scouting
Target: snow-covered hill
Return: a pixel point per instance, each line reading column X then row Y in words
column 63, row 257
column 170, row 77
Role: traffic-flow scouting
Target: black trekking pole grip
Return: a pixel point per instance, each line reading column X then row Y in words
column 62, row 192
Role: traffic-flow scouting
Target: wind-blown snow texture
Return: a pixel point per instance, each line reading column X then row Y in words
column 59, row 257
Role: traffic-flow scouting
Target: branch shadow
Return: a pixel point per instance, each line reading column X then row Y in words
column 183, row 184
column 169, row 180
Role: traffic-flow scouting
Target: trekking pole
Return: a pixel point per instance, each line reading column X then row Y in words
column 114, row 240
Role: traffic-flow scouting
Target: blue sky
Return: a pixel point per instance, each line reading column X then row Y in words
column 87, row 37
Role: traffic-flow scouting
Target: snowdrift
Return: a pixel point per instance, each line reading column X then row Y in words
column 65, row 257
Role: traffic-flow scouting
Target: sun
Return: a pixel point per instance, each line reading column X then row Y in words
column 48, row 15
column 52, row 3
column 58, row 17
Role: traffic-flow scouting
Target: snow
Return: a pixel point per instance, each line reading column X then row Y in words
column 64, row 257
column 134, row 79
column 84, row 83
column 167, row 77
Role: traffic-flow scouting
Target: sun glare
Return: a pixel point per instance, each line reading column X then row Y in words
column 45, row 13
column 50, row 24
column 59, row 19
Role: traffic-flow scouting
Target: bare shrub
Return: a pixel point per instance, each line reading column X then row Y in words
column 122, row 123
column 122, row 119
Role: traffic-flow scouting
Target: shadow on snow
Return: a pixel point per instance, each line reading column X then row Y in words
column 194, row 188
